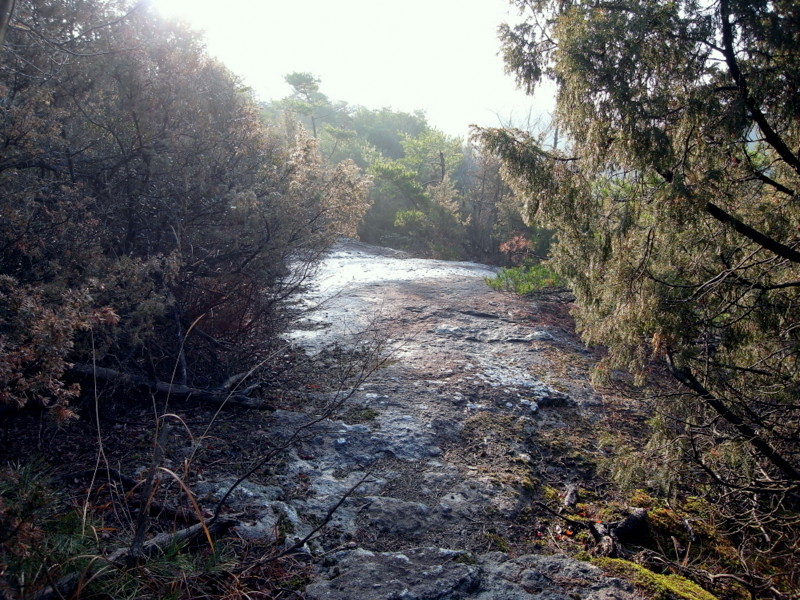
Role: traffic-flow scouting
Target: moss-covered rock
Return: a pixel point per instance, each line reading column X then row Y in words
column 661, row 586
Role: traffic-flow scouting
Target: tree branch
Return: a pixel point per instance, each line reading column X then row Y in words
column 325, row 520
column 770, row 135
column 752, row 234
column 6, row 10
column 170, row 389
column 687, row 378
column 770, row 181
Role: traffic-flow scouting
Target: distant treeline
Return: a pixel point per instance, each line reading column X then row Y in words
column 433, row 194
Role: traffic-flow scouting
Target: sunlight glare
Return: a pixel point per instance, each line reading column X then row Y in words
column 440, row 57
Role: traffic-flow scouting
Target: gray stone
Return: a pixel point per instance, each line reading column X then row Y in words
column 547, row 396
column 437, row 574
column 570, row 496
column 276, row 518
column 469, row 498
column 397, row 517
column 404, row 437
column 419, row 574
column 450, row 330
column 542, row 336
column 244, row 497
column 337, row 445
column 453, row 352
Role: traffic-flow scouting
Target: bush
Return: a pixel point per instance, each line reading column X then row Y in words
column 176, row 220
column 525, row 280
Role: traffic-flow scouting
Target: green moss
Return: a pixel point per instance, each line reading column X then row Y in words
column 498, row 542
column 466, row 558
column 551, row 494
column 529, row 485
column 664, row 519
column 698, row 506
column 583, row 536
column 298, row 582
column 364, row 416
column 611, row 511
column 285, row 527
column 663, row 587
column 583, row 555
column 641, row 499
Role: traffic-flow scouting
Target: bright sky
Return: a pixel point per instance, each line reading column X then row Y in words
column 439, row 56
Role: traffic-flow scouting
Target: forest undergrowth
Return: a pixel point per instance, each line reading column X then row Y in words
column 76, row 497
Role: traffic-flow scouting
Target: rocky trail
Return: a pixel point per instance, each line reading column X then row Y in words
column 437, row 465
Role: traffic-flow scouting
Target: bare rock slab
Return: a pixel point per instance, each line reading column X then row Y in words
column 420, row 574
column 437, row 574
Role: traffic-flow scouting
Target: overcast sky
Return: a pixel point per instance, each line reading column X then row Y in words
column 439, row 56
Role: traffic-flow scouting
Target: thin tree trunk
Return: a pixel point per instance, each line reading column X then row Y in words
column 6, row 10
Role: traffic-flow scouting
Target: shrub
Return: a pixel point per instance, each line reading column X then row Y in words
column 525, row 280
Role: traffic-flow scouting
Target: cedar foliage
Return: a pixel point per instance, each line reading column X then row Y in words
column 674, row 203
column 148, row 217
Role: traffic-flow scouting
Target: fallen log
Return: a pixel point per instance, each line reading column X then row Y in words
column 173, row 390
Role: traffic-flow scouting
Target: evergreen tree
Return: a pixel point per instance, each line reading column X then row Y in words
column 674, row 202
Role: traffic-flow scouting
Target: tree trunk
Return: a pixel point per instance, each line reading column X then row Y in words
column 181, row 392
column 745, row 429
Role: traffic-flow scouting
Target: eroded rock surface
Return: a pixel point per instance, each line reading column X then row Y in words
column 439, row 574
column 449, row 433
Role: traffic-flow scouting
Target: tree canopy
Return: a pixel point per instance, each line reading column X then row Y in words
column 433, row 194
column 675, row 205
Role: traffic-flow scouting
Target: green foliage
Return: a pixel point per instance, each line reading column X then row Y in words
column 672, row 200
column 497, row 541
column 525, row 280
column 410, row 219
column 306, row 100
column 365, row 415
column 468, row 207
column 410, row 215
column 386, row 129
column 41, row 538
column 431, row 156
column 176, row 572
column 404, row 181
